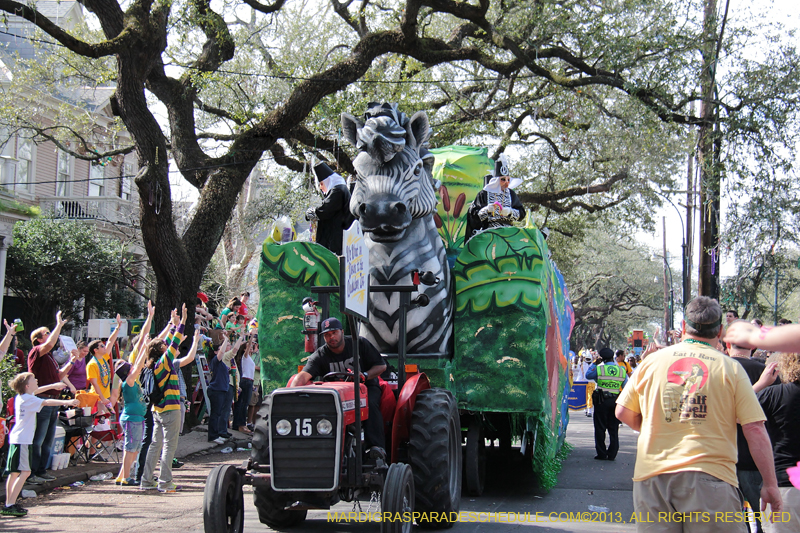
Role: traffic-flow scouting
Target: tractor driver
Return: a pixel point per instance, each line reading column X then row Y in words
column 336, row 355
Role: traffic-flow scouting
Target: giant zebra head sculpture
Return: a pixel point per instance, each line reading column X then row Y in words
column 394, row 199
column 394, row 183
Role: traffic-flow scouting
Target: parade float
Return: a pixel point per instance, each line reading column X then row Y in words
column 496, row 330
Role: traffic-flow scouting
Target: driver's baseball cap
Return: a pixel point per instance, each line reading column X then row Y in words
column 331, row 324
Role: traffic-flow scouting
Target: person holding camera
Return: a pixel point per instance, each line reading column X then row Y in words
column 248, row 369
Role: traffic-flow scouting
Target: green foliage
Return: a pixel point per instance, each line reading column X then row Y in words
column 752, row 290
column 510, row 350
column 15, row 207
column 302, row 262
column 8, row 369
column 499, row 362
column 460, row 169
column 593, row 101
column 615, row 284
column 65, row 265
column 66, row 88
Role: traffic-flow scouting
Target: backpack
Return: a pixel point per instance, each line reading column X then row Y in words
column 153, row 395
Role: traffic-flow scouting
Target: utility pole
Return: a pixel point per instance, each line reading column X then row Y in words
column 667, row 306
column 688, row 245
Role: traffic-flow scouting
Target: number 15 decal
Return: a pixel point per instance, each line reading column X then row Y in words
column 302, row 427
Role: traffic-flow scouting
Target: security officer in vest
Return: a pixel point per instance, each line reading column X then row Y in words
column 610, row 379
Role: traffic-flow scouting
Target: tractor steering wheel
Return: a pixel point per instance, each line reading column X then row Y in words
column 339, row 376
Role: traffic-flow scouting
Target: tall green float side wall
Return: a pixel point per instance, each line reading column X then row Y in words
column 285, row 276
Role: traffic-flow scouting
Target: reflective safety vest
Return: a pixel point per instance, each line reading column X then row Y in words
column 610, row 378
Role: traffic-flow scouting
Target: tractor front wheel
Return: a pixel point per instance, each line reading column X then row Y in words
column 223, row 501
column 397, row 500
column 434, row 451
column 269, row 503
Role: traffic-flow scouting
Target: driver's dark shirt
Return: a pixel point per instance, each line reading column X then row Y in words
column 324, row 360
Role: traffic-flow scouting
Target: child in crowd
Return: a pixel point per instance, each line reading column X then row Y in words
column 237, row 328
column 26, row 406
column 134, row 407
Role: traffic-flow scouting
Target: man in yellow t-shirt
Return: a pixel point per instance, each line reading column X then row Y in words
column 100, row 370
column 685, row 400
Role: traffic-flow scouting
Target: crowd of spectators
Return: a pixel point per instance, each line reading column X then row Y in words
column 147, row 383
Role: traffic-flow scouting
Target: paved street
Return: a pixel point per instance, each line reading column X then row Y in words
column 102, row 507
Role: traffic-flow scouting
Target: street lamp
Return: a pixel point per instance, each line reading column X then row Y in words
column 670, row 325
column 684, row 257
column 669, row 317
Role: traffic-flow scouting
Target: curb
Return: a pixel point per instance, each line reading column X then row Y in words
column 92, row 469
column 68, row 478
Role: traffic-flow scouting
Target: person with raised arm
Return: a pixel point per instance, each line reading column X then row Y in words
column 134, row 407
column 99, row 369
column 686, row 400
column 42, row 365
column 778, row 339
column 161, row 357
column 26, row 405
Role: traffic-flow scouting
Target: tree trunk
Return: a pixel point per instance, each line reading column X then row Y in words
column 708, row 275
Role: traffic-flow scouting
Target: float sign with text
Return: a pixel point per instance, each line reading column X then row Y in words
column 356, row 271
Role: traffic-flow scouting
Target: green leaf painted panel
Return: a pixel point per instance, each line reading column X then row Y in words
column 500, row 268
column 301, row 262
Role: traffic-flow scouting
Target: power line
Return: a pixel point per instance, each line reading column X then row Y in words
column 287, row 77
column 377, row 82
column 33, row 39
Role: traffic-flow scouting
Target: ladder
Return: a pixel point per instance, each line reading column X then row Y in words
column 201, row 388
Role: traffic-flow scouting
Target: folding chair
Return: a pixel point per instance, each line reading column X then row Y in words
column 105, row 442
column 78, row 428
column 76, row 436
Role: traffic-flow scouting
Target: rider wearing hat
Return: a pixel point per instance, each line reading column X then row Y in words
column 497, row 205
column 334, row 212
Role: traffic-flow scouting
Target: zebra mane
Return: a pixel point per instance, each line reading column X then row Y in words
column 386, row 131
column 382, row 138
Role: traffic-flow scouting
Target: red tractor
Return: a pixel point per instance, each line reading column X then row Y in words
column 308, row 454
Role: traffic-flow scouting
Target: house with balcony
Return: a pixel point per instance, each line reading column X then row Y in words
column 36, row 175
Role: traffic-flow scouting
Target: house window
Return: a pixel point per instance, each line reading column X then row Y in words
column 126, row 188
column 16, row 165
column 97, row 183
column 25, row 174
column 7, row 160
column 64, row 173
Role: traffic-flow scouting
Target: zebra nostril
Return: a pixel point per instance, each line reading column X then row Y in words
column 399, row 208
column 362, row 209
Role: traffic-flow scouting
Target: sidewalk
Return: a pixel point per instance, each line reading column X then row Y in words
column 194, row 442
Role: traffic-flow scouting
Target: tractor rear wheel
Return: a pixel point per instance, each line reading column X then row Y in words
column 260, row 452
column 270, row 506
column 475, row 460
column 434, row 451
column 397, row 500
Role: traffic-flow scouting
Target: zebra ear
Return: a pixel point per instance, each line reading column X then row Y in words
column 350, row 127
column 420, row 129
